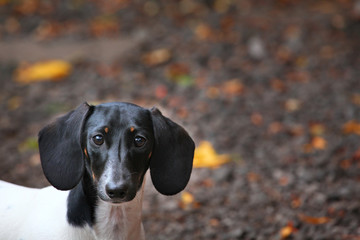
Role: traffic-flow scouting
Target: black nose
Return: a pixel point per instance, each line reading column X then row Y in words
column 116, row 190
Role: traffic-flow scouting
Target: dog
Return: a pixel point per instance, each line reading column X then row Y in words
column 98, row 157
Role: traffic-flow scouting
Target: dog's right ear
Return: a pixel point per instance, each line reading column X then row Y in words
column 60, row 149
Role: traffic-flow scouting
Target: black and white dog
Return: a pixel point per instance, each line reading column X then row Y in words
column 101, row 154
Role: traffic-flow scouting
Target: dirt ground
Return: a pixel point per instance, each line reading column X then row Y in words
column 274, row 84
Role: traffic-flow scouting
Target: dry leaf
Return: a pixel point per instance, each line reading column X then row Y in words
column 53, row 70
column 292, row 105
column 233, row 87
column 157, row 57
column 206, row 156
column 313, row 220
column 319, row 143
column 351, row 127
column 203, row 32
column 287, row 231
column 187, row 198
column 187, row 201
column 317, row 129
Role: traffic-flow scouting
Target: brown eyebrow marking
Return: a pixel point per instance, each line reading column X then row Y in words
column 106, row 130
column 85, row 151
column 132, row 129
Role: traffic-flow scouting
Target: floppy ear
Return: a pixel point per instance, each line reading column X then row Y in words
column 172, row 158
column 60, row 149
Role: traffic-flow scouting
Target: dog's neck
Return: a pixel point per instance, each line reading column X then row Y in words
column 108, row 221
column 120, row 222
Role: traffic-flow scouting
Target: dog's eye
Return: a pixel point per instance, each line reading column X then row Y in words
column 139, row 141
column 98, row 139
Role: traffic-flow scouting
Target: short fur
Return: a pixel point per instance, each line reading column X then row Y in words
column 99, row 156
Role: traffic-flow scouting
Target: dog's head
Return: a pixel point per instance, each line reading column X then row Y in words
column 115, row 144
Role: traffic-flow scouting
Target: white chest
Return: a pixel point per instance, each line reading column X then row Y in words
column 120, row 222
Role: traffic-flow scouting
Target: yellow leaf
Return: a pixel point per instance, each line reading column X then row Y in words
column 187, row 198
column 52, row 70
column 206, row 156
column 187, row 201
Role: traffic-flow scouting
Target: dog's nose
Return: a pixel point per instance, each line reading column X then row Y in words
column 116, row 190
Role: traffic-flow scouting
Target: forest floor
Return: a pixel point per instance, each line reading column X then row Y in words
column 273, row 84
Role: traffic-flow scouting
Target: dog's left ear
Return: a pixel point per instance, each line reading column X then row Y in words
column 60, row 149
column 172, row 158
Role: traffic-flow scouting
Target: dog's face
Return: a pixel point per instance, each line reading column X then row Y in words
column 118, row 142
column 111, row 146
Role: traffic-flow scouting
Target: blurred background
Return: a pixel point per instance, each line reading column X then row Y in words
column 269, row 90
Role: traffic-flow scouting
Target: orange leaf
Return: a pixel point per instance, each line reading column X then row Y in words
column 206, row 156
column 53, row 70
column 313, row 220
column 318, row 143
column 233, row 87
column 286, row 231
column 351, row 127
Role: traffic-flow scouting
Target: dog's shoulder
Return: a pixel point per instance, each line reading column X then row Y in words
column 29, row 213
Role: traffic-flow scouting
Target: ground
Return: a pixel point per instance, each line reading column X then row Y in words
column 273, row 84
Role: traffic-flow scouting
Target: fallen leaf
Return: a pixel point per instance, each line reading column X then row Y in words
column 206, row 156
column 351, row 127
column 187, row 201
column 180, row 73
column 313, row 220
column 317, row 129
column 287, row 231
column 292, row 105
column 275, row 127
column 203, row 32
column 232, row 87
column 318, row 143
column 53, row 70
column 187, row 198
column 156, row 57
